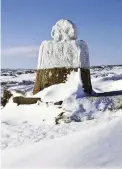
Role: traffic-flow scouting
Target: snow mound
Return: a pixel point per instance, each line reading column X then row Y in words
column 26, row 124
column 64, row 30
column 60, row 92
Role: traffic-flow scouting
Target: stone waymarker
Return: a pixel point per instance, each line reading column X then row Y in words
column 58, row 57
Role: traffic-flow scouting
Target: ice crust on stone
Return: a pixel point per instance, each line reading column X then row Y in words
column 68, row 54
column 65, row 50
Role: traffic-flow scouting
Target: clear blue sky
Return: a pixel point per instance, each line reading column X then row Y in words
column 26, row 23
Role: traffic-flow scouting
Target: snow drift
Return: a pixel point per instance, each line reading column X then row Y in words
column 60, row 92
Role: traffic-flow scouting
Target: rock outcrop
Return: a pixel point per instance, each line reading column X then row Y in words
column 58, row 57
column 25, row 100
column 6, row 96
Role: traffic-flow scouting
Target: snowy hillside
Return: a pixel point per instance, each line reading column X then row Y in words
column 89, row 134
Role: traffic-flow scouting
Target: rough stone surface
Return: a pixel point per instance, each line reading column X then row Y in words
column 23, row 100
column 48, row 77
column 58, row 57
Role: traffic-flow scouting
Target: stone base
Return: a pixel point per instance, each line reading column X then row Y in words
column 22, row 100
column 86, row 80
column 48, row 77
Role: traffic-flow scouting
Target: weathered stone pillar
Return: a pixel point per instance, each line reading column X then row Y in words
column 58, row 57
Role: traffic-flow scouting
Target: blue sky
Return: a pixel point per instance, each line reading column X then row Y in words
column 26, row 23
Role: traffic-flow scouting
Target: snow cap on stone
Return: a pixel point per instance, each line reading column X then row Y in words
column 64, row 30
column 64, row 50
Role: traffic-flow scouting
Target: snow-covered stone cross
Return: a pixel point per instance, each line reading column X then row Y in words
column 60, row 56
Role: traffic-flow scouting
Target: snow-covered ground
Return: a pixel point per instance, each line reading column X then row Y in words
column 96, row 145
column 92, row 139
column 17, row 79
